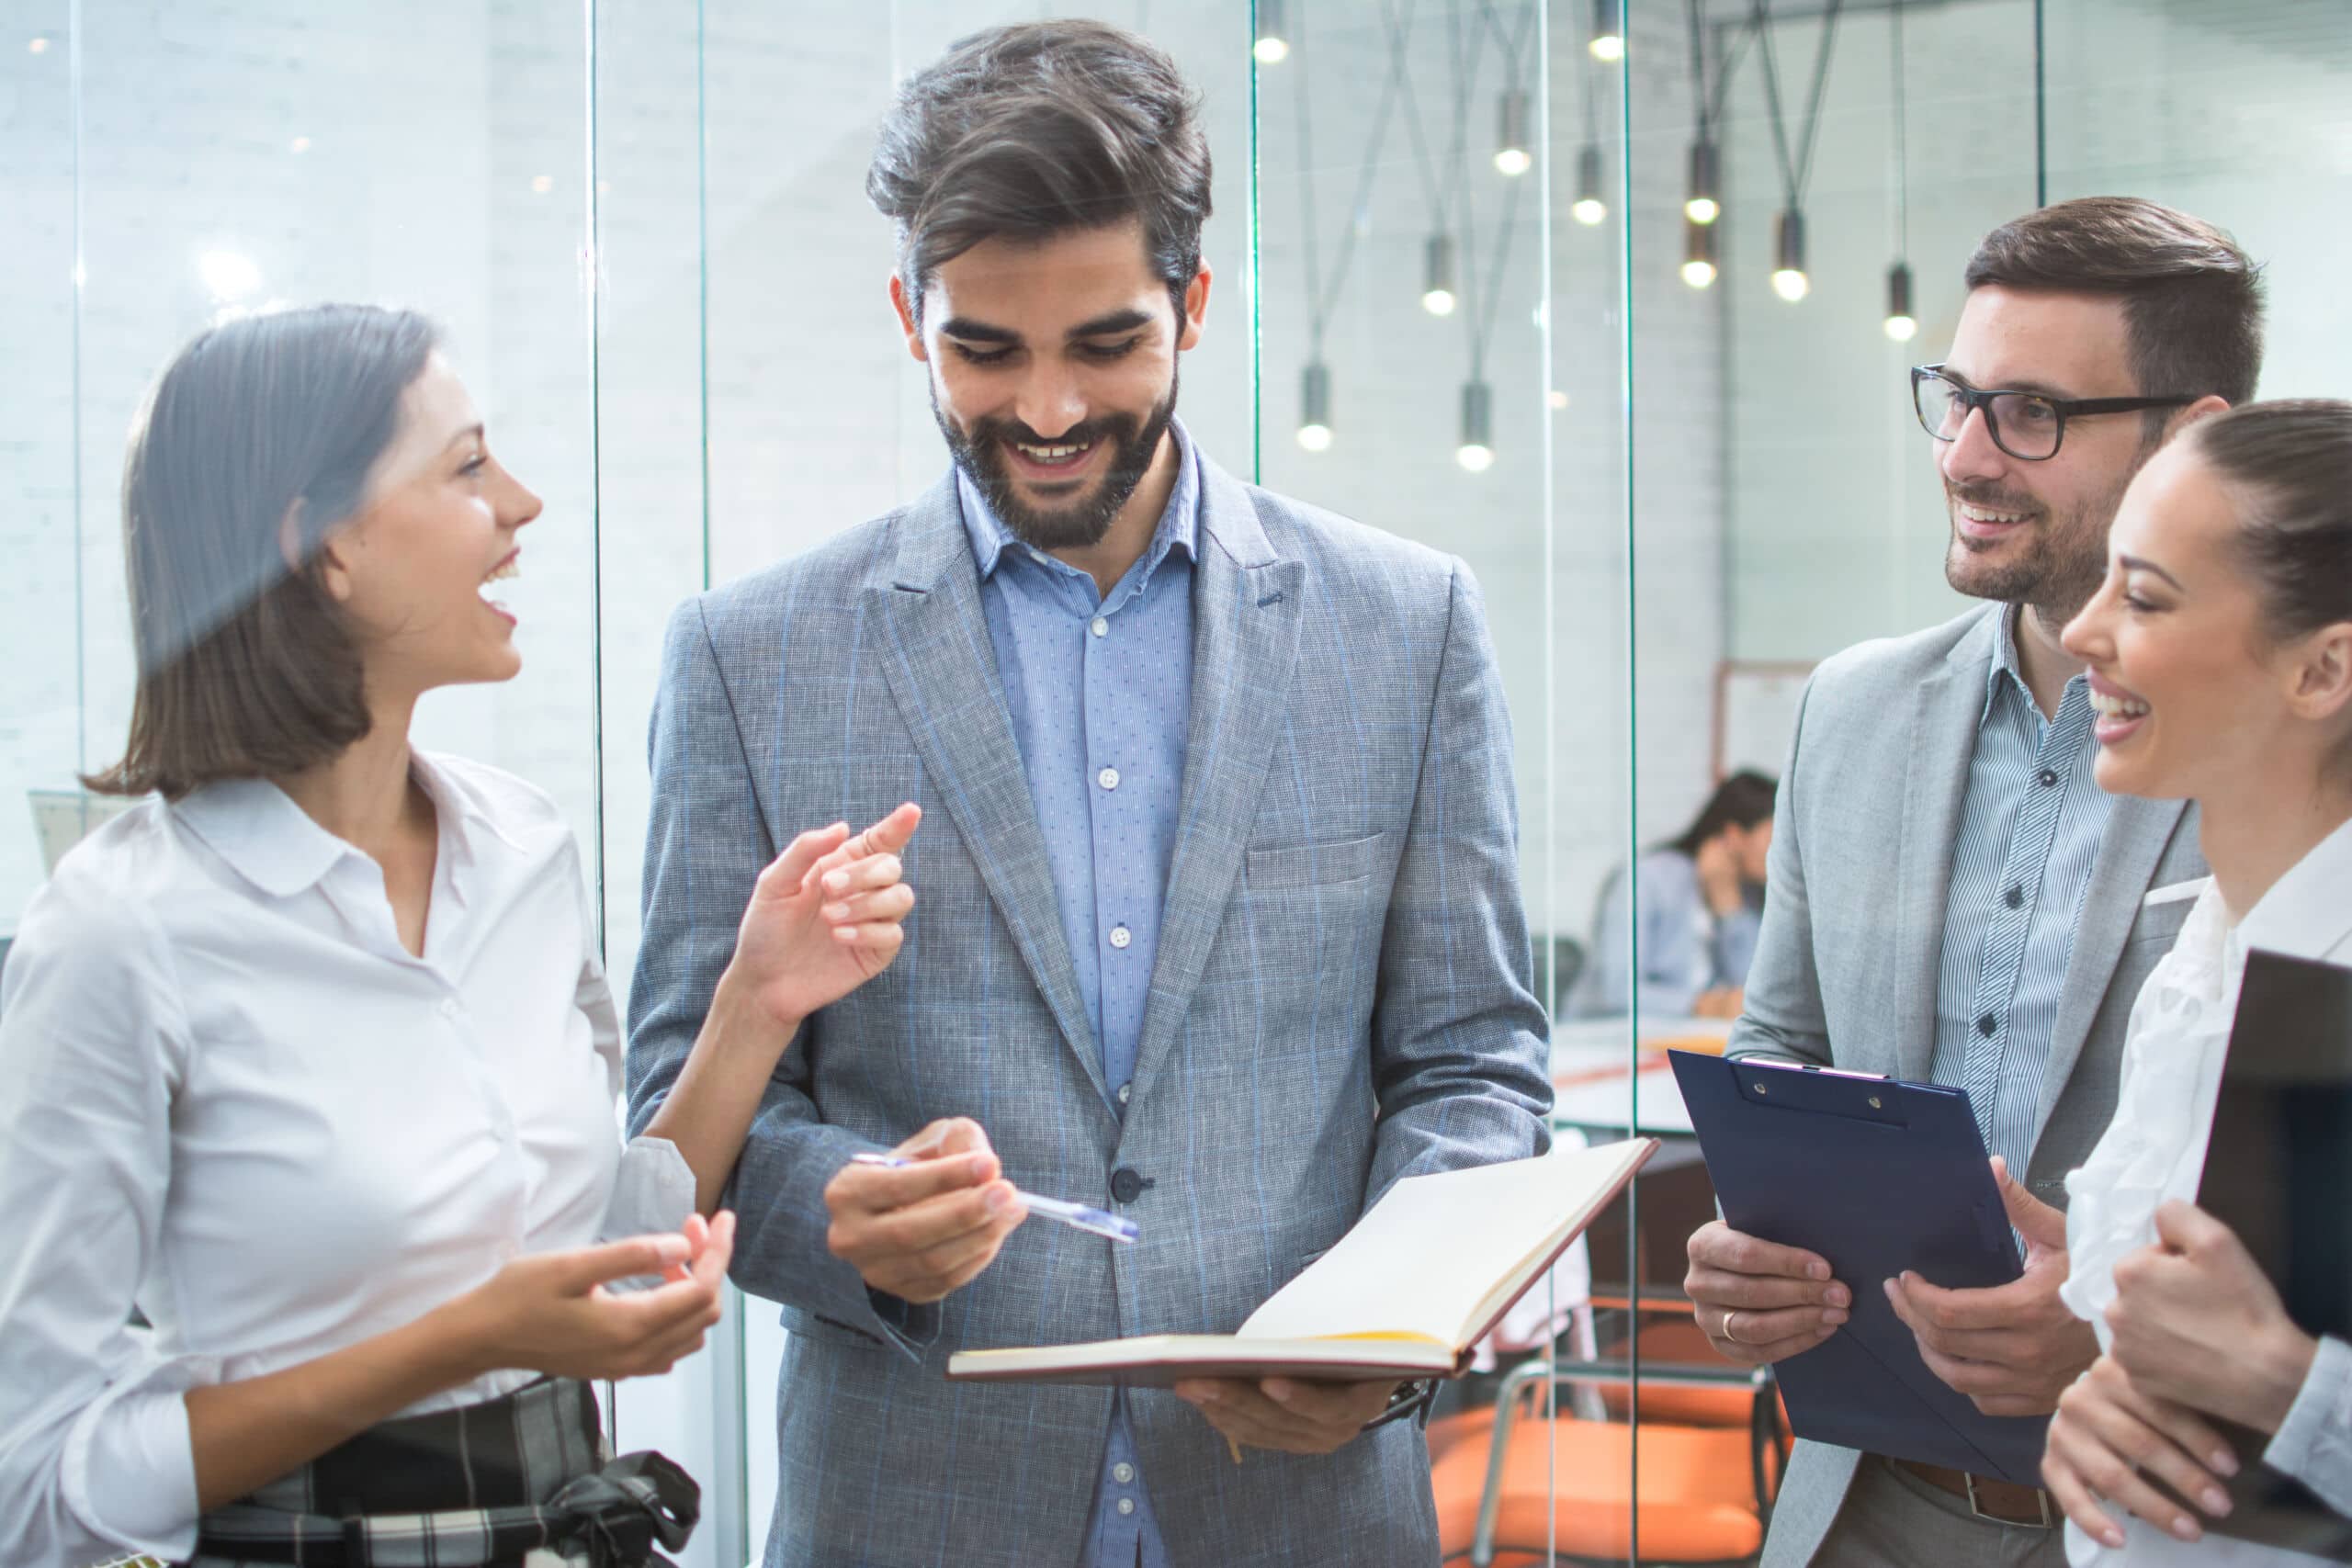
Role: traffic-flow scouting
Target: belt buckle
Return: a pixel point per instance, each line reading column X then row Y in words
column 2041, row 1500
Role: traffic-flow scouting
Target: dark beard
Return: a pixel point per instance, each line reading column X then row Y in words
column 2057, row 577
column 1081, row 524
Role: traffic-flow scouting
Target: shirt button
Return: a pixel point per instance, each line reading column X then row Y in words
column 1100, row 627
column 1121, row 936
column 448, row 1007
column 2014, row 898
column 1986, row 1024
column 1108, row 778
column 1126, row 1505
column 1123, row 1473
column 1124, row 1090
column 2047, row 777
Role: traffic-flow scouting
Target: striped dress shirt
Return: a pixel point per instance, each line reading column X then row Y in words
column 2029, row 832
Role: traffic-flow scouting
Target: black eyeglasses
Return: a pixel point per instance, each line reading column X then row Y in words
column 2026, row 425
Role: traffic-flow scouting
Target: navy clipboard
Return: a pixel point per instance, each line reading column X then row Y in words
column 1877, row 1177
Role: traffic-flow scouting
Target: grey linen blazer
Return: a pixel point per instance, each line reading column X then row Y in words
column 1341, row 996
column 1846, row 966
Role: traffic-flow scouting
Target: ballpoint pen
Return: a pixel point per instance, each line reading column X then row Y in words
column 1076, row 1215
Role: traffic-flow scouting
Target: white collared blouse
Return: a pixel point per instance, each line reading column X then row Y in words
column 2154, row 1149
column 232, row 1099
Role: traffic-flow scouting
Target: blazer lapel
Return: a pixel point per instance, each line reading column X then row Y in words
column 943, row 673
column 2129, row 852
column 1944, row 723
column 1246, row 617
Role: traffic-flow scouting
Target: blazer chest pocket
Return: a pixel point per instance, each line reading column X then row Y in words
column 1313, row 866
column 2160, row 922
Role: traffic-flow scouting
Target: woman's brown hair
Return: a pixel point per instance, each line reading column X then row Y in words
column 259, row 435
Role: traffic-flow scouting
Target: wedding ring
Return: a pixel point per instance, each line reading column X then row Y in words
column 1728, row 1335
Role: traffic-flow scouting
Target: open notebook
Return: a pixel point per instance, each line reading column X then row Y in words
column 1407, row 1292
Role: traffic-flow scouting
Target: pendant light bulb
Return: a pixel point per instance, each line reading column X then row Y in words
column 1511, row 157
column 1437, row 276
column 1476, row 452
column 1698, row 253
column 1705, row 204
column 1315, row 407
column 1590, row 207
column 1273, row 46
column 1789, row 279
column 1608, row 44
column 1902, row 325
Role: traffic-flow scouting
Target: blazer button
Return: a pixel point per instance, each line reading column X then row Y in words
column 1126, row 1185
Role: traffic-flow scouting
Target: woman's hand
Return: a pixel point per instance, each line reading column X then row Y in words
column 2198, row 1323
column 2109, row 1436
column 824, row 918
column 551, row 1312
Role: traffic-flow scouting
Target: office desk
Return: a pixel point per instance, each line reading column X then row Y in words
column 1593, row 1090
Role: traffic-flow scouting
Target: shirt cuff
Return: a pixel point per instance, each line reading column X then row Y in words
column 654, row 1190
column 2314, row 1443
column 128, row 1468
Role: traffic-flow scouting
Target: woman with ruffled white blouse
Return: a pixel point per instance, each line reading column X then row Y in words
column 2220, row 648
column 309, row 1059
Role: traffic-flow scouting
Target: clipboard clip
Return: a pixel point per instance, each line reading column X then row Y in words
column 1864, row 1096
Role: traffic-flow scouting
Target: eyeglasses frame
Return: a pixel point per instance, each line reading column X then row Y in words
column 1979, row 400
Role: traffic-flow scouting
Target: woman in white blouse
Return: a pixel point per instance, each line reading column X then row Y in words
column 2219, row 650
column 308, row 1056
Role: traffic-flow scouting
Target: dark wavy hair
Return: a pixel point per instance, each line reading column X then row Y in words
column 1742, row 800
column 2192, row 301
column 1045, row 128
column 247, row 668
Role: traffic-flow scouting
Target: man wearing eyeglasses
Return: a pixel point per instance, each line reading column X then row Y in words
column 1951, row 897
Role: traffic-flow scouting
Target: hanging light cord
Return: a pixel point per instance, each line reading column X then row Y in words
column 1902, row 144
column 1514, row 48
column 1400, row 35
column 1479, row 295
column 1322, row 292
column 1795, row 172
column 1709, row 102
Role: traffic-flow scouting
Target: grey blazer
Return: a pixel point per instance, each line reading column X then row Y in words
column 1846, row 966
column 1341, row 996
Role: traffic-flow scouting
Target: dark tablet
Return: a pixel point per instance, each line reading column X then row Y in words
column 2279, row 1172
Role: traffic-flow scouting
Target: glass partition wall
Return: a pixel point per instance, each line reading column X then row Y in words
column 1463, row 293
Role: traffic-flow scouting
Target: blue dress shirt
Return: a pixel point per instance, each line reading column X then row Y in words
column 2029, row 831
column 1099, row 688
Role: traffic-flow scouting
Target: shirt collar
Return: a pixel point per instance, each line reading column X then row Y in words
column 2008, row 672
column 1179, row 520
column 264, row 836
column 2304, row 915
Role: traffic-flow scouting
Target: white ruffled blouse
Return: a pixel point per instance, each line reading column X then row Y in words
column 2155, row 1150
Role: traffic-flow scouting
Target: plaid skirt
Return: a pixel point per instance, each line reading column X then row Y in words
column 523, row 1480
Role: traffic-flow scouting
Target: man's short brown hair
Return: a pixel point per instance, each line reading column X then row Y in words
column 2192, row 302
column 247, row 668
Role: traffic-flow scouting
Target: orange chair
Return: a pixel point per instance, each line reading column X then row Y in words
column 1528, row 1487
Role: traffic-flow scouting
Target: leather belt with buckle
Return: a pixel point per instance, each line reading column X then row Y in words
column 2003, row 1502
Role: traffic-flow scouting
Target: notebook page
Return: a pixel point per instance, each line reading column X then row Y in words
column 1436, row 1247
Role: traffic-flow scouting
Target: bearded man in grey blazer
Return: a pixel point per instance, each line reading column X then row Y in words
column 1217, row 918
column 1951, row 897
